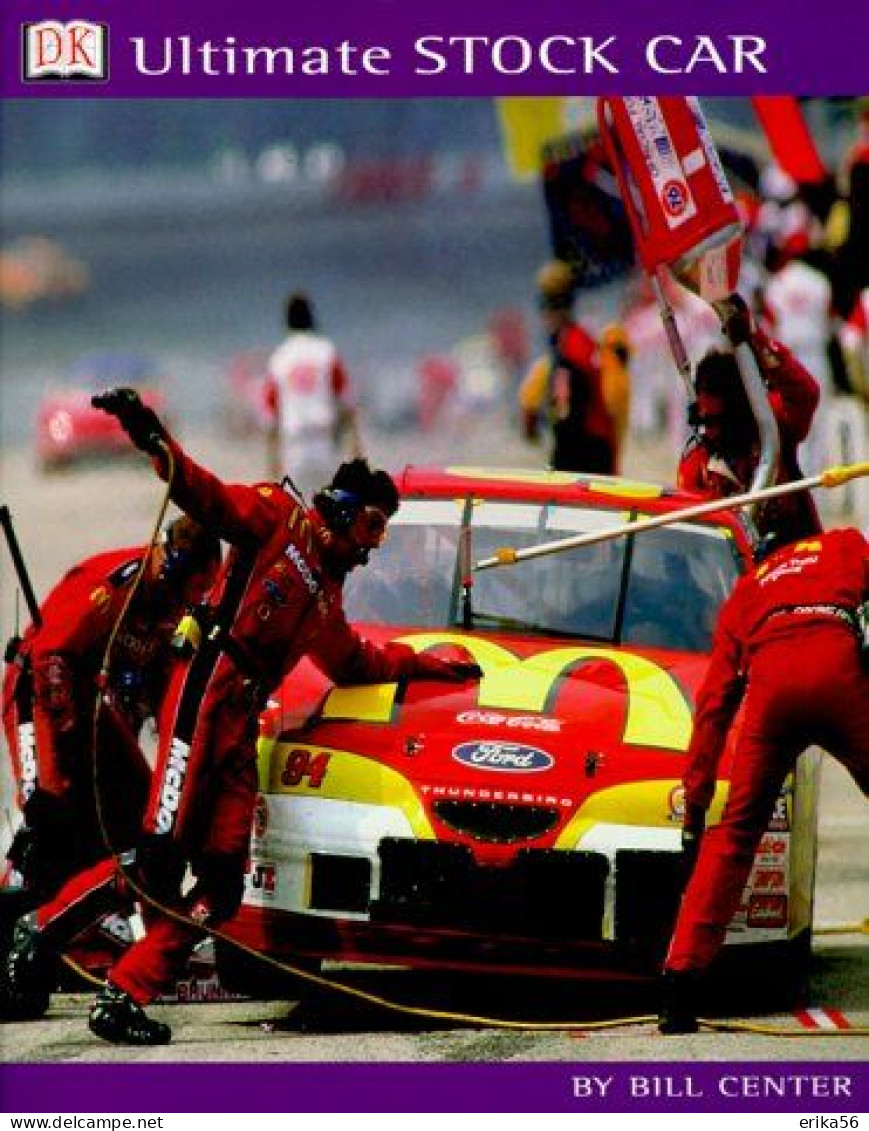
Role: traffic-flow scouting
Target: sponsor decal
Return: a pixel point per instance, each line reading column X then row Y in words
column 260, row 816
column 173, row 780
column 517, row 722
column 27, row 755
column 139, row 648
column 498, row 796
column 771, row 845
column 506, row 757
column 657, row 712
column 77, row 51
column 779, row 821
column 661, row 159
column 117, row 927
column 767, row 910
column 101, row 597
column 202, row 989
column 769, row 879
column 261, row 877
column 674, row 198
column 677, row 805
column 303, row 569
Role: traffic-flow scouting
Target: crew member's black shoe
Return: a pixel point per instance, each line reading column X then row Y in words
column 115, row 1017
column 29, row 975
column 678, row 1009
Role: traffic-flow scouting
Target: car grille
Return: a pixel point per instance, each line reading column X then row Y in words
column 555, row 896
column 542, row 893
column 499, row 824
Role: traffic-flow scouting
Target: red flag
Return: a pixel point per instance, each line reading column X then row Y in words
column 790, row 142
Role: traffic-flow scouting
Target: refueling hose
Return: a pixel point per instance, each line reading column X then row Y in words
column 323, row 982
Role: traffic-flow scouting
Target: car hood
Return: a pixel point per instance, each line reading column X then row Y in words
column 581, row 728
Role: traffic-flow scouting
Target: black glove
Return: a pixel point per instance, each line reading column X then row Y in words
column 219, row 889
column 736, row 320
column 141, row 423
column 160, row 866
column 460, row 671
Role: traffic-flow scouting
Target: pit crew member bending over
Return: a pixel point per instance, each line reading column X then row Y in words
column 277, row 599
column 49, row 701
column 789, row 643
column 49, row 696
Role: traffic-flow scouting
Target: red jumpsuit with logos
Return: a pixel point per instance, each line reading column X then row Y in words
column 275, row 603
column 582, row 427
column 793, row 397
column 49, row 701
column 788, row 643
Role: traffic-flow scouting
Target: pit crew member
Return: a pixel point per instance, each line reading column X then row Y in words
column 278, row 598
column 789, row 644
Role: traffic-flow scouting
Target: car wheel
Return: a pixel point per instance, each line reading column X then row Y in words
column 53, row 465
column 764, row 977
column 243, row 973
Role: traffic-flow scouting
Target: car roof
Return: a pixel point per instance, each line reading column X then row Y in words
column 540, row 485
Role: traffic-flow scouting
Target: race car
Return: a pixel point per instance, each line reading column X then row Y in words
column 36, row 270
column 529, row 823
column 69, row 428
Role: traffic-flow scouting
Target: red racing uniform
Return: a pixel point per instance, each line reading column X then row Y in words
column 793, row 397
column 788, row 643
column 274, row 603
column 49, row 702
column 582, row 427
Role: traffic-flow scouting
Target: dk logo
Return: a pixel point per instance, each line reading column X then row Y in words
column 77, row 51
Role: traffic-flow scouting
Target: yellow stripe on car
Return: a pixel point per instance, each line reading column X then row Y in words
column 349, row 777
column 645, row 803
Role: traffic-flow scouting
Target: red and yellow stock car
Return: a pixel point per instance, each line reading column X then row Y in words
column 530, row 823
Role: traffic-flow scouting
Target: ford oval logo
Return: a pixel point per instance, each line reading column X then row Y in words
column 510, row 757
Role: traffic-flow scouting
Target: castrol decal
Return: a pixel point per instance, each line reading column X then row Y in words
column 662, row 161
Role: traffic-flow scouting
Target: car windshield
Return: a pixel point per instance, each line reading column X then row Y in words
column 660, row 589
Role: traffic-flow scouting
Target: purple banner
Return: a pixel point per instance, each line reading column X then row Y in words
column 617, row 1087
column 390, row 48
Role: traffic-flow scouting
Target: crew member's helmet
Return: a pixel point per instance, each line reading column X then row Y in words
column 556, row 285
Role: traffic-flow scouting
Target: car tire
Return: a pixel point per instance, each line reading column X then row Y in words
column 764, row 977
column 243, row 973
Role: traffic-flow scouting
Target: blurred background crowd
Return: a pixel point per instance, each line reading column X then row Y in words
column 157, row 242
